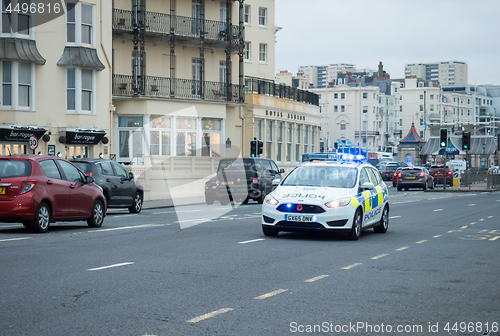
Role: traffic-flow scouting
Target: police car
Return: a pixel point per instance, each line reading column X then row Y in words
column 346, row 195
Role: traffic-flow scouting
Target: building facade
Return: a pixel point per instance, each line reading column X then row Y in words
column 320, row 75
column 56, row 80
column 444, row 73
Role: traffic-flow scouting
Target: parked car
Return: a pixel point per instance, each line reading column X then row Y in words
column 438, row 171
column 38, row 190
column 119, row 186
column 242, row 179
column 414, row 177
column 210, row 190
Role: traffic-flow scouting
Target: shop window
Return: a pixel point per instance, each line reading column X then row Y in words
column 160, row 135
column 211, row 140
column 186, row 137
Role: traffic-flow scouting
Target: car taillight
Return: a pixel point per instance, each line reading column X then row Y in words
column 255, row 180
column 89, row 174
column 217, row 182
column 206, row 187
column 386, row 171
column 422, row 174
column 449, row 173
column 27, row 186
column 399, row 174
column 395, row 174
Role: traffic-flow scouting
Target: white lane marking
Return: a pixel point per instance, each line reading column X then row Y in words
column 471, row 204
column 394, row 217
column 402, row 248
column 13, row 239
column 437, row 236
column 164, row 212
column 251, row 241
column 273, row 293
column 351, row 266
column 128, row 227
column 188, row 211
column 128, row 215
column 484, row 193
column 209, row 315
column 110, row 266
column 420, row 242
column 379, row 256
column 498, row 200
column 438, row 210
column 316, row 278
column 495, row 238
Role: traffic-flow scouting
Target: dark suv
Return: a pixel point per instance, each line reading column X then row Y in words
column 119, row 186
column 242, row 179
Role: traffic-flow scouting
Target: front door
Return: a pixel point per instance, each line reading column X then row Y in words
column 197, row 9
column 197, row 67
column 131, row 146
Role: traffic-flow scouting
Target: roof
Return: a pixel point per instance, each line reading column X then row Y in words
column 480, row 144
column 17, row 49
column 412, row 137
column 81, row 56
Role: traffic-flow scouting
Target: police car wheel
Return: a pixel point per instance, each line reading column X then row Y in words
column 269, row 232
column 262, row 196
column 384, row 222
column 356, row 226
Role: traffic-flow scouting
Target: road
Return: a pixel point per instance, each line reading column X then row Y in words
column 142, row 274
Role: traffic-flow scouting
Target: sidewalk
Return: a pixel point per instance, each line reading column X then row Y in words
column 169, row 203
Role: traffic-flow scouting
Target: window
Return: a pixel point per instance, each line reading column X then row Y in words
column 342, row 126
column 365, row 109
column 432, row 107
column 395, row 90
column 342, row 108
column 335, row 96
column 262, row 16
column 297, row 144
column 72, row 173
column 247, row 51
column 289, row 142
column 263, row 52
column 104, row 168
column 50, row 169
column 269, row 139
column 211, row 137
column 279, row 139
column 17, row 90
column 79, row 90
column 421, row 107
column 16, row 22
column 342, row 96
column 365, row 95
column 186, row 137
column 306, row 138
column 119, row 170
column 431, row 97
column 160, row 135
column 421, row 96
column 247, row 14
column 79, row 23
column 335, row 108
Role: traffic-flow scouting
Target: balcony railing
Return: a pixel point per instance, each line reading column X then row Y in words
column 164, row 87
column 265, row 87
column 367, row 133
column 160, row 23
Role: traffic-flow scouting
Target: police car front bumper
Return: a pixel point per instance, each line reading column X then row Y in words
column 332, row 219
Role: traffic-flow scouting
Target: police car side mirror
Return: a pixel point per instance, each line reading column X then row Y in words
column 276, row 182
column 368, row 185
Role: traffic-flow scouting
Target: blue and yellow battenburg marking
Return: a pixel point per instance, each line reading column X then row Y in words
column 371, row 198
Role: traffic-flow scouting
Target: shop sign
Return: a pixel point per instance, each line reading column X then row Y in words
column 51, row 150
column 20, row 134
column 84, row 138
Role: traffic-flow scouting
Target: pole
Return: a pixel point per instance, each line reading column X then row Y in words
column 425, row 110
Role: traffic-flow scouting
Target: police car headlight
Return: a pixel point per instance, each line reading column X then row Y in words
column 271, row 200
column 338, row 202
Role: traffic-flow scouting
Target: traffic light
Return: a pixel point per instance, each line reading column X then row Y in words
column 466, row 140
column 260, row 144
column 253, row 148
column 443, row 138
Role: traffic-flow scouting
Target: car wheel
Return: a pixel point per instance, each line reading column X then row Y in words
column 209, row 201
column 137, row 206
column 407, row 189
column 245, row 201
column 356, row 226
column 270, row 232
column 97, row 215
column 393, row 185
column 262, row 196
column 42, row 219
column 425, row 186
column 399, row 188
column 384, row 222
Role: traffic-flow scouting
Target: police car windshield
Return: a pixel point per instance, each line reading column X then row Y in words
column 322, row 176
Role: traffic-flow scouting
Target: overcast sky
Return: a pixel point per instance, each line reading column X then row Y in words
column 396, row 32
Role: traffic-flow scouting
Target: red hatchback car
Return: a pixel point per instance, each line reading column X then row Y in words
column 39, row 190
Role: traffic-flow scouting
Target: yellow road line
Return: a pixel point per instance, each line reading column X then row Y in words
column 420, row 242
column 495, row 238
column 464, row 227
column 451, row 231
column 492, row 231
column 482, row 219
column 437, row 236
column 379, row 256
column 402, row 248
column 472, row 223
column 209, row 315
column 265, row 296
column 483, row 231
column 316, row 278
column 490, row 216
column 351, row 266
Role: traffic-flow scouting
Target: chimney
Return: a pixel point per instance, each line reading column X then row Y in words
column 380, row 70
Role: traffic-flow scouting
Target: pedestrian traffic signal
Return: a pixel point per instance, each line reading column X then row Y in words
column 443, row 138
column 253, row 148
column 466, row 140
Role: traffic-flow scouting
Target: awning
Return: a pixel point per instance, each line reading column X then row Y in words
column 482, row 144
column 17, row 49
column 20, row 133
column 349, row 144
column 79, row 136
column 431, row 146
column 341, row 143
column 81, row 57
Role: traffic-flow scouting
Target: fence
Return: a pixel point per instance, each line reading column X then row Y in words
column 479, row 180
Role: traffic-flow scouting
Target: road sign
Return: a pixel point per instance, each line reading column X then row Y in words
column 33, row 142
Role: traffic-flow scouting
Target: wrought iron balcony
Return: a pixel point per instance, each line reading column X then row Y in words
column 164, row 87
column 183, row 26
column 266, row 87
column 367, row 133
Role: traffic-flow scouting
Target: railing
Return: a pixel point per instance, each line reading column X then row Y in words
column 160, row 23
column 367, row 133
column 479, row 180
column 265, row 87
column 164, row 87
